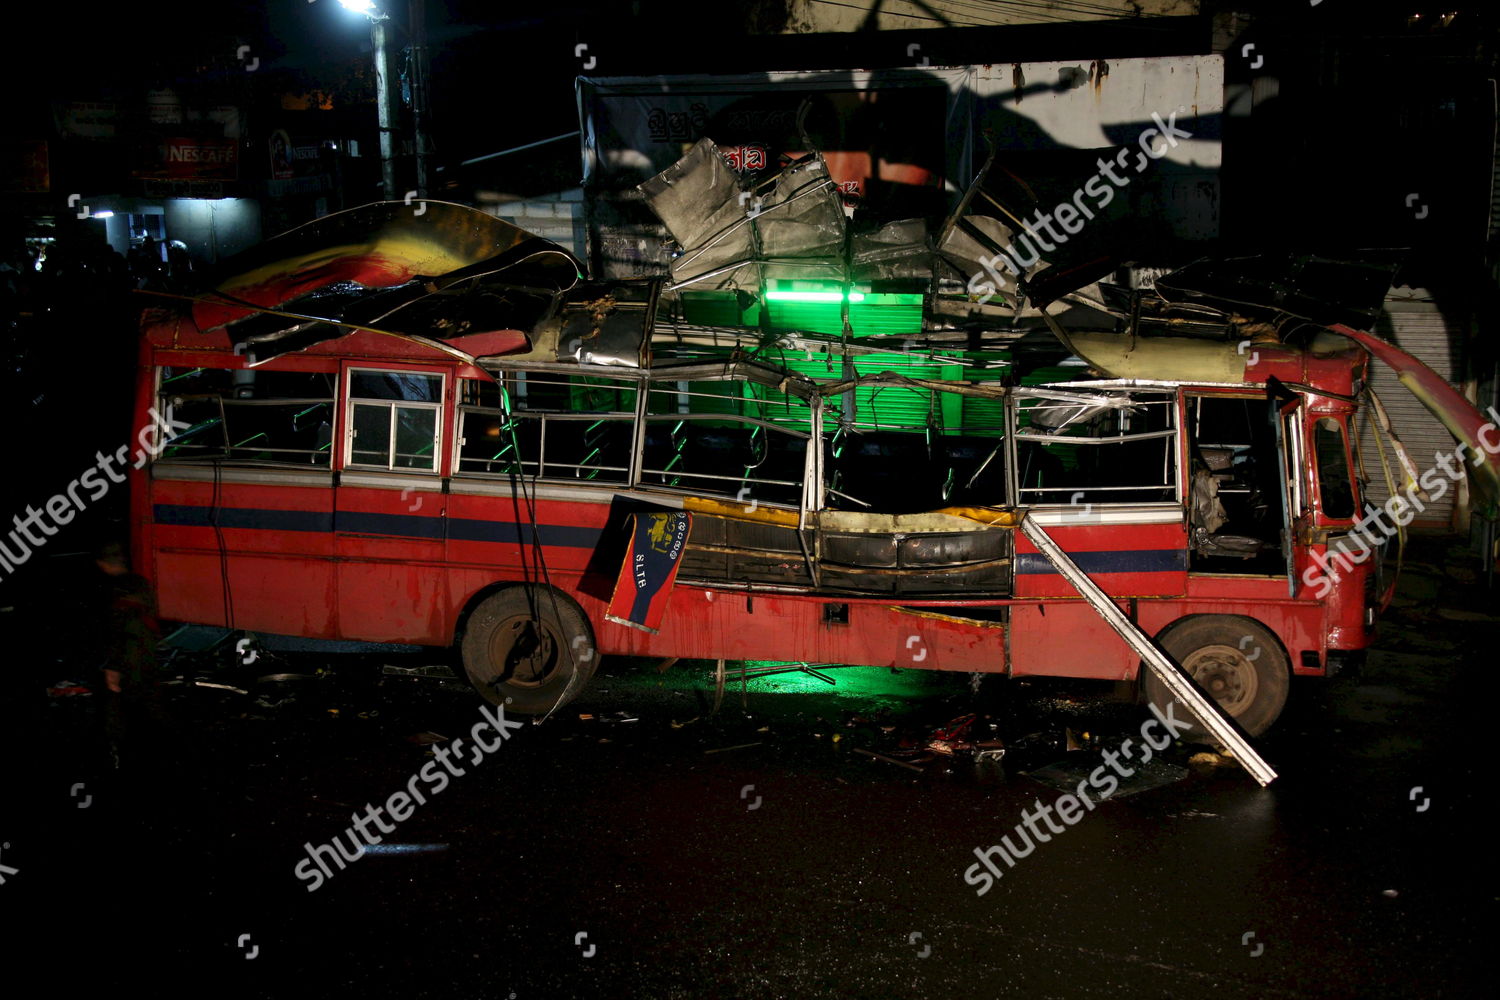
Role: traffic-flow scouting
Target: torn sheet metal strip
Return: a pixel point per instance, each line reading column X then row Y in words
column 1383, row 423
column 1173, row 676
column 1461, row 417
column 254, row 361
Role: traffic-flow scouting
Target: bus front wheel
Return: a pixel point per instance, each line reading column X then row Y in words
column 528, row 648
column 1236, row 661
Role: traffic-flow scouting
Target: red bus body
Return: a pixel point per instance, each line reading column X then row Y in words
column 334, row 551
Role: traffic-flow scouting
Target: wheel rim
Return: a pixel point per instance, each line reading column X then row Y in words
column 523, row 652
column 1226, row 674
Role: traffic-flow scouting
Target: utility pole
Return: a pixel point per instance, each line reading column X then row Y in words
column 418, row 33
column 383, row 108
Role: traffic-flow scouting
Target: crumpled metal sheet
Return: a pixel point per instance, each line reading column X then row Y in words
column 791, row 227
column 973, row 238
column 801, row 219
column 985, row 224
column 697, row 198
column 607, row 323
column 898, row 249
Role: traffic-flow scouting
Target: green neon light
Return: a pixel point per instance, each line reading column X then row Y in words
column 814, row 296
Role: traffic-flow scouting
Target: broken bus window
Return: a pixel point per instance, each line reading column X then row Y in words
column 249, row 415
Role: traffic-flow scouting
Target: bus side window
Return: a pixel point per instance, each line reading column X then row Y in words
column 395, row 419
column 249, row 416
column 1076, row 453
column 576, row 428
column 718, row 437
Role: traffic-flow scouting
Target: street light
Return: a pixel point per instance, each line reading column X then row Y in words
column 382, row 92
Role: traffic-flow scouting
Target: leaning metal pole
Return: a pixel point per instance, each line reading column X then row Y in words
column 1173, row 676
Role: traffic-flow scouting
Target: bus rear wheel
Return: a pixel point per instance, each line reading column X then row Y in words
column 1236, row 661
column 528, row 648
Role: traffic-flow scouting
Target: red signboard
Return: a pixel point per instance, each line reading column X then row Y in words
column 194, row 159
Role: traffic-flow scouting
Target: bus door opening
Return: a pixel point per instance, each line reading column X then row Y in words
column 1236, row 503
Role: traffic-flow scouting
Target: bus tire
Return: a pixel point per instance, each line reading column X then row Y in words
column 1236, row 661
column 522, row 646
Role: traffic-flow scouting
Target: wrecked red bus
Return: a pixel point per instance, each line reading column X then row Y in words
column 362, row 486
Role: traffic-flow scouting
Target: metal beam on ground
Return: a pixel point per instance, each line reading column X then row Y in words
column 1173, row 676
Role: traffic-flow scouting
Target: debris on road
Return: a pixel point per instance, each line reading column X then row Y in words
column 991, row 750
column 888, row 760
column 219, row 687
column 951, row 737
column 1213, row 760
column 740, row 746
column 436, row 671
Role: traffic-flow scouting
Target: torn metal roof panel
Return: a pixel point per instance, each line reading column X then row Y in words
column 433, row 270
column 790, row 227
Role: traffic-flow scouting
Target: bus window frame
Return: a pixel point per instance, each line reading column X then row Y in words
column 1321, row 517
column 166, row 401
column 440, row 467
column 1170, row 399
column 661, row 381
column 503, row 378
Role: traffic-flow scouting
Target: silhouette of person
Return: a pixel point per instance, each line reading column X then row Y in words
column 132, row 698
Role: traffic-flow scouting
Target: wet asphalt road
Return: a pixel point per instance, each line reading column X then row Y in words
column 605, row 857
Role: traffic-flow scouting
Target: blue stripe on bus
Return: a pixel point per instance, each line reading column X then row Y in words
column 363, row 523
column 243, row 517
column 566, row 535
column 406, row 525
column 1117, row 561
column 569, row 536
